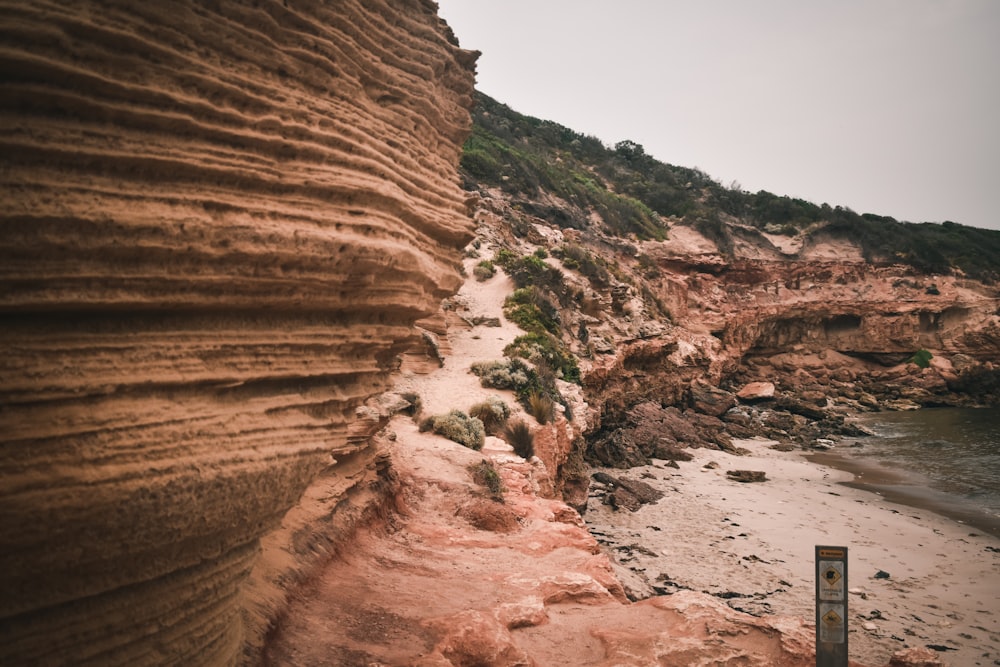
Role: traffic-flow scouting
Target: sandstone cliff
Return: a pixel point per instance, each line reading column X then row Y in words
column 220, row 223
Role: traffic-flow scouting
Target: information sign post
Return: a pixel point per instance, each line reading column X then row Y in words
column 831, row 606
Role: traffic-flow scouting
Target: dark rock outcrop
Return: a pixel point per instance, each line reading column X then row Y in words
column 710, row 400
column 747, row 475
column 625, row 493
column 651, row 431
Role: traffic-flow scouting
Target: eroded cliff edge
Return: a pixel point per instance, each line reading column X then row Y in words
column 221, row 221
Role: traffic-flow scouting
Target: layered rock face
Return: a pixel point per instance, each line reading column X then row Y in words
column 220, row 221
column 671, row 319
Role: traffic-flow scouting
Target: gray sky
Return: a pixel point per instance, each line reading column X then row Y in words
column 884, row 106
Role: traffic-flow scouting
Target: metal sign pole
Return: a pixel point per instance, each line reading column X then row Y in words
column 831, row 606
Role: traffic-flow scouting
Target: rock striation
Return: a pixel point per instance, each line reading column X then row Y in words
column 221, row 220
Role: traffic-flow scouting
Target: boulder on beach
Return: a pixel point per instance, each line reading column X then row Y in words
column 747, row 475
column 625, row 493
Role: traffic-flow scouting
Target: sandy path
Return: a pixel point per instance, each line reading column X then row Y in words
column 752, row 544
column 453, row 386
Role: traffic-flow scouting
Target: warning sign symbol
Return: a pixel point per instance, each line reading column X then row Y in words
column 831, row 578
column 832, row 618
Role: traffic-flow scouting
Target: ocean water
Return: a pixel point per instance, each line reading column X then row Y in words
column 944, row 459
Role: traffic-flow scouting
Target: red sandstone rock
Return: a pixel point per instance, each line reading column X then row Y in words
column 220, row 222
column 754, row 391
column 477, row 638
column 436, row 592
column 915, row 657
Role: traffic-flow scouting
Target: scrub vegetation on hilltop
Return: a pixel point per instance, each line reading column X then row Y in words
column 636, row 195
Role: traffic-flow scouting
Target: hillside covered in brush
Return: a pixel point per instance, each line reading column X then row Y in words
column 643, row 281
column 565, row 177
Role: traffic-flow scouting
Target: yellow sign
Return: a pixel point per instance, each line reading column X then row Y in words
column 831, row 579
column 832, row 618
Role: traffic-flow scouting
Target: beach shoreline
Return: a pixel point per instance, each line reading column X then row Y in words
column 752, row 544
column 907, row 489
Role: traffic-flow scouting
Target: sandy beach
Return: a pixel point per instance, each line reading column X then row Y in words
column 753, row 545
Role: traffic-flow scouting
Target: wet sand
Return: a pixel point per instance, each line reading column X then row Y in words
column 908, row 489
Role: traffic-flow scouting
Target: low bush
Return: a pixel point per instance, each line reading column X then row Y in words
column 529, row 269
column 518, row 435
column 921, row 358
column 530, row 310
column 510, row 374
column 484, row 270
column 504, row 258
column 515, row 375
column 580, row 259
column 485, row 474
column 493, row 412
column 457, row 427
column 544, row 348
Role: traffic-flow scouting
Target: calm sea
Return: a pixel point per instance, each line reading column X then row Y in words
column 944, row 459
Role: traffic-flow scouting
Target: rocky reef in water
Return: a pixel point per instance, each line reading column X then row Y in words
column 220, row 222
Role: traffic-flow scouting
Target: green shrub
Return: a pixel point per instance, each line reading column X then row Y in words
column 532, row 270
column 510, row 374
column 580, row 259
column 540, row 253
column 518, row 435
column 542, row 347
column 484, row 270
column 630, row 190
column 485, row 474
column 504, row 258
column 493, row 412
column 921, row 358
column 478, row 161
column 714, row 229
column 515, row 375
column 458, row 427
column 531, row 311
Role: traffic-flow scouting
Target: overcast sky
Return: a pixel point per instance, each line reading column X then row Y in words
column 884, row 106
